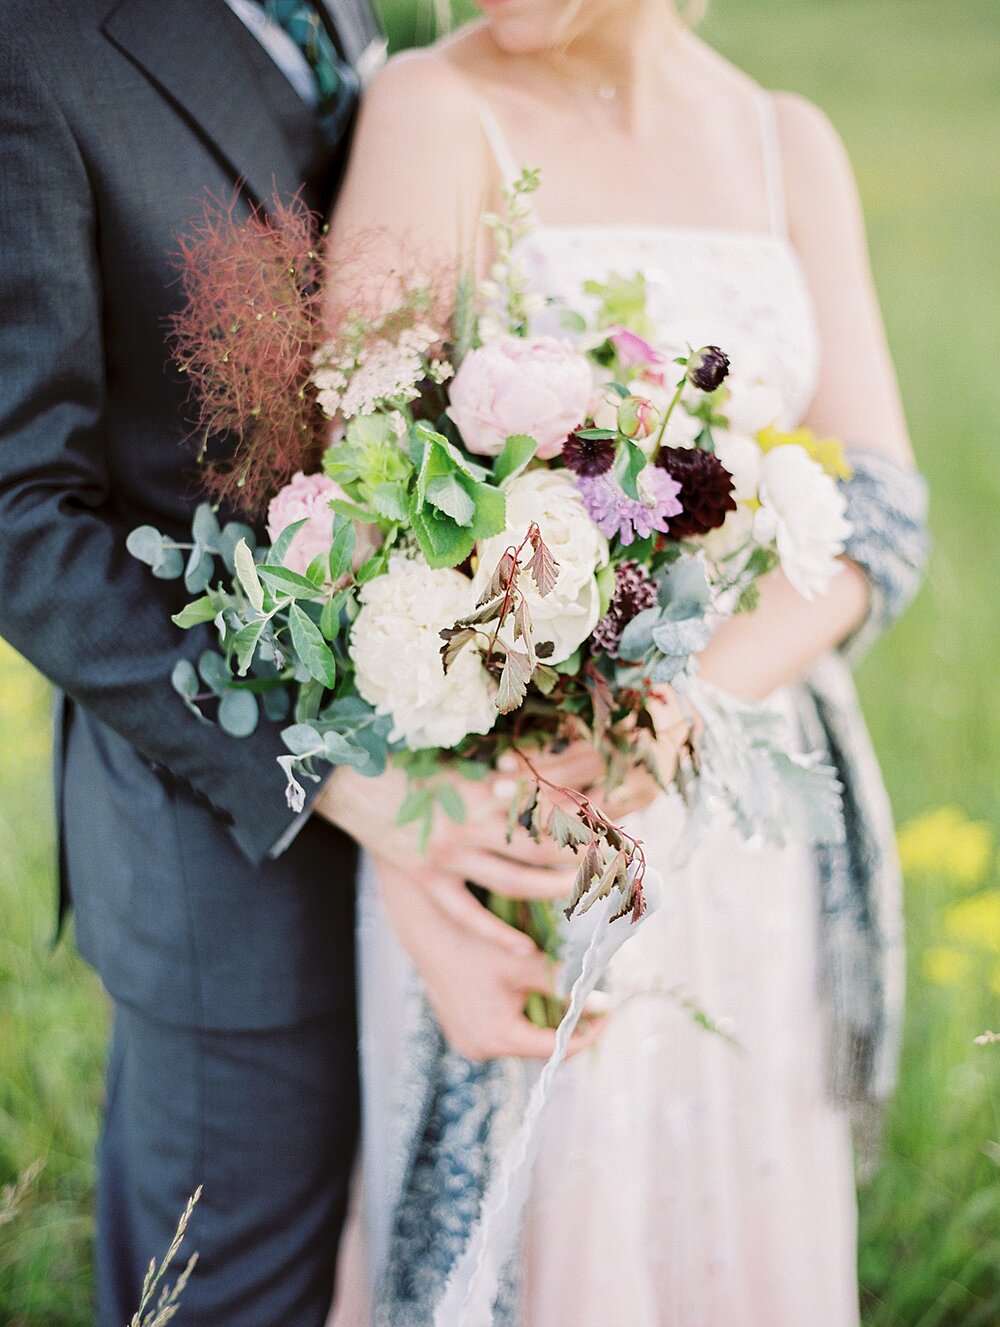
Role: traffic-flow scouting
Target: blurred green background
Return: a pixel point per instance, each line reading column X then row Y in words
column 914, row 87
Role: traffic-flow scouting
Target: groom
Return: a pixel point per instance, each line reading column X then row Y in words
column 221, row 928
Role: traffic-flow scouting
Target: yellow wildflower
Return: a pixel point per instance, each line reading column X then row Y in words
column 946, row 842
column 828, row 452
column 975, row 920
column 946, row 967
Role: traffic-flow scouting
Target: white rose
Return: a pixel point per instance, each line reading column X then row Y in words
column 396, row 649
column 551, row 500
column 802, row 512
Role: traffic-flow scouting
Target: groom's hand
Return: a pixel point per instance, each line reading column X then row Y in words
column 476, row 970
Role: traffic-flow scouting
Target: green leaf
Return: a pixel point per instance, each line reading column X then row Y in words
column 198, row 572
column 311, row 648
column 245, row 644
column 389, row 500
column 301, row 738
column 342, row 548
column 276, row 704
column 289, row 583
column 184, row 679
column 517, row 452
column 239, row 713
column 231, row 535
column 194, row 614
column 171, row 566
column 214, row 672
column 329, row 619
column 451, row 803
column 447, row 493
column 308, row 701
column 279, row 550
column 630, row 461
column 415, row 805
column 205, row 526
column 473, row 770
column 146, row 544
column 597, row 435
column 352, row 511
column 246, row 574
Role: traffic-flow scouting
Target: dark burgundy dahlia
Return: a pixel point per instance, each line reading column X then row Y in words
column 634, row 591
column 707, row 368
column 588, row 456
column 706, row 490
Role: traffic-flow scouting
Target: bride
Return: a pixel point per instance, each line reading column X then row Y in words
column 689, row 1175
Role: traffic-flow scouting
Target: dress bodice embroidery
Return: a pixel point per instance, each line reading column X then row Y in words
column 742, row 290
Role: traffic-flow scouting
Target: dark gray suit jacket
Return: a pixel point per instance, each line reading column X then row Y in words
column 117, row 117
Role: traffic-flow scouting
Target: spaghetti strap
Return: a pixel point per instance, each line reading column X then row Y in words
column 774, row 174
column 506, row 163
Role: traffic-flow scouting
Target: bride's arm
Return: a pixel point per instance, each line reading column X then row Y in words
column 857, row 400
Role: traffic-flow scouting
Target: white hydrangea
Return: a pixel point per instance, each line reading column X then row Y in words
column 396, row 649
column 551, row 500
column 802, row 512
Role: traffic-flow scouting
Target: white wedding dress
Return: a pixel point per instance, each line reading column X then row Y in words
column 687, row 1177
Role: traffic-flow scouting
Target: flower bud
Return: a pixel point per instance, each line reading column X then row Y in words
column 637, row 417
column 707, row 368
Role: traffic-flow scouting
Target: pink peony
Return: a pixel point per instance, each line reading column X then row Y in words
column 539, row 386
column 308, row 497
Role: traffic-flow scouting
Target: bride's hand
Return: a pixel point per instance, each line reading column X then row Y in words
column 477, row 971
column 476, row 850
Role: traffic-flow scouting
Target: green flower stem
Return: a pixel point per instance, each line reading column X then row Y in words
column 666, row 417
column 537, row 919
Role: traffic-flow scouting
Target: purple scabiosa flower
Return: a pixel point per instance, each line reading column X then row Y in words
column 634, row 591
column 614, row 513
column 588, row 456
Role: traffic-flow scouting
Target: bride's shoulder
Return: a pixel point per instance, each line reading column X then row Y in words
column 429, row 80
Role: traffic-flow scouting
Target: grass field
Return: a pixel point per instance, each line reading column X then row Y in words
column 913, row 86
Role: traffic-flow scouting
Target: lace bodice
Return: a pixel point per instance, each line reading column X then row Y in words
column 742, row 290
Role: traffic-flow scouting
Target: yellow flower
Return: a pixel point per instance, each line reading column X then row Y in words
column 828, row 452
column 946, row 842
column 975, row 920
column 946, row 967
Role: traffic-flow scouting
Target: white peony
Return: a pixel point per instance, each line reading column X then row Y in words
column 802, row 512
column 396, row 649
column 551, row 500
column 742, row 457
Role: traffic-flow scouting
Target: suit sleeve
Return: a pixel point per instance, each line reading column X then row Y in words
column 72, row 600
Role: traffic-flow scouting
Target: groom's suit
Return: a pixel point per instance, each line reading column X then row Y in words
column 231, row 966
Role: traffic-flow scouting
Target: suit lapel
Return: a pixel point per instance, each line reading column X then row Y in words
column 202, row 59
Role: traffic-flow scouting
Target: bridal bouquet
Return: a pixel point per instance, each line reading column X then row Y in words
column 489, row 541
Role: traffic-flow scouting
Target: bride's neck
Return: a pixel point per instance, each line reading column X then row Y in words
column 627, row 53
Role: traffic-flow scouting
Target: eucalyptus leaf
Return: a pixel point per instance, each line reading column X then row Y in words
column 214, row 672
column 246, row 573
column 311, row 648
column 198, row 572
column 184, row 679
column 301, row 739
column 146, row 544
column 277, row 704
column 171, row 565
column 239, row 713
column 205, row 526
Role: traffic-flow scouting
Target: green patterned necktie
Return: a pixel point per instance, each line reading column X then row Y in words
column 337, row 85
